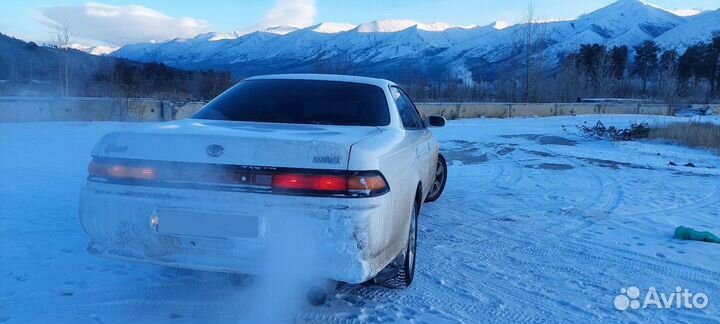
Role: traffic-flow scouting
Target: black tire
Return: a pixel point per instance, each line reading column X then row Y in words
column 438, row 185
column 399, row 274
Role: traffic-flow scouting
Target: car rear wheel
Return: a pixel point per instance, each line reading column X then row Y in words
column 400, row 272
column 438, row 184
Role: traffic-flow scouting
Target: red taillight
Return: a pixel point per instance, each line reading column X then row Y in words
column 311, row 182
column 233, row 177
column 119, row 171
column 349, row 184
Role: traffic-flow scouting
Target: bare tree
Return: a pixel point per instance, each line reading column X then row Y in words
column 61, row 41
column 668, row 74
column 604, row 75
column 531, row 37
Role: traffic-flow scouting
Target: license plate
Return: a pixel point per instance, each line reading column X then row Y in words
column 206, row 224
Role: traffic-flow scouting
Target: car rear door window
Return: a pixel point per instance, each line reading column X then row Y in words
column 416, row 114
column 300, row 102
column 408, row 114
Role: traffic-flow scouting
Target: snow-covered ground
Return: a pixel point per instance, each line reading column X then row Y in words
column 537, row 225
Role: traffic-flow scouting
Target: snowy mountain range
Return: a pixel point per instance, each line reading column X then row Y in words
column 405, row 48
column 94, row 50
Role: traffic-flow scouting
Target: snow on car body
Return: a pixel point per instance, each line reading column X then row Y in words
column 347, row 161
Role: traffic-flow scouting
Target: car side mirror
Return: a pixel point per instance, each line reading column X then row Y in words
column 435, row 121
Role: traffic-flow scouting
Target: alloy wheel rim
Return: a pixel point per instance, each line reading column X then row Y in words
column 439, row 178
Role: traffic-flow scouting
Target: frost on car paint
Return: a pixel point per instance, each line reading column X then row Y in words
column 333, row 168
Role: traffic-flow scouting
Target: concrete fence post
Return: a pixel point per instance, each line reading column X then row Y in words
column 168, row 111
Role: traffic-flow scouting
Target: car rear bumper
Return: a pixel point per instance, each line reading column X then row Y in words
column 343, row 239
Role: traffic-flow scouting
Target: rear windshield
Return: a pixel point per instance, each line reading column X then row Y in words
column 300, row 102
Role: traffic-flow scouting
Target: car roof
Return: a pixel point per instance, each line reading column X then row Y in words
column 325, row 77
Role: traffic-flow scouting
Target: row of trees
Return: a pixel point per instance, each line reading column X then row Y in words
column 72, row 73
column 59, row 70
column 132, row 80
column 651, row 72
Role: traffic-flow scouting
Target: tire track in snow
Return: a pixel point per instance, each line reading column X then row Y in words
column 601, row 186
column 512, row 292
column 604, row 202
column 703, row 202
column 600, row 204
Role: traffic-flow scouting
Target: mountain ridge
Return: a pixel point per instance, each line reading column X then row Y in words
column 382, row 44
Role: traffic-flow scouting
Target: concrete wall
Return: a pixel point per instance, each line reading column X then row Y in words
column 26, row 109
column 538, row 110
column 712, row 109
column 465, row 110
column 185, row 109
column 502, row 110
column 21, row 109
column 577, row 109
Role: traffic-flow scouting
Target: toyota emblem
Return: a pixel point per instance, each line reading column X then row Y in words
column 214, row 150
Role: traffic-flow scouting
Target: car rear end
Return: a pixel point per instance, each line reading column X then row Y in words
column 225, row 193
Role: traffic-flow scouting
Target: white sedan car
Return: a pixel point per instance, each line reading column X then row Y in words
column 337, row 165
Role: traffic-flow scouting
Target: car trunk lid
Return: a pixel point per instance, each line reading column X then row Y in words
column 238, row 143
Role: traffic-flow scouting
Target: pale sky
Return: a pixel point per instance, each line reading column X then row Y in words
column 118, row 22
